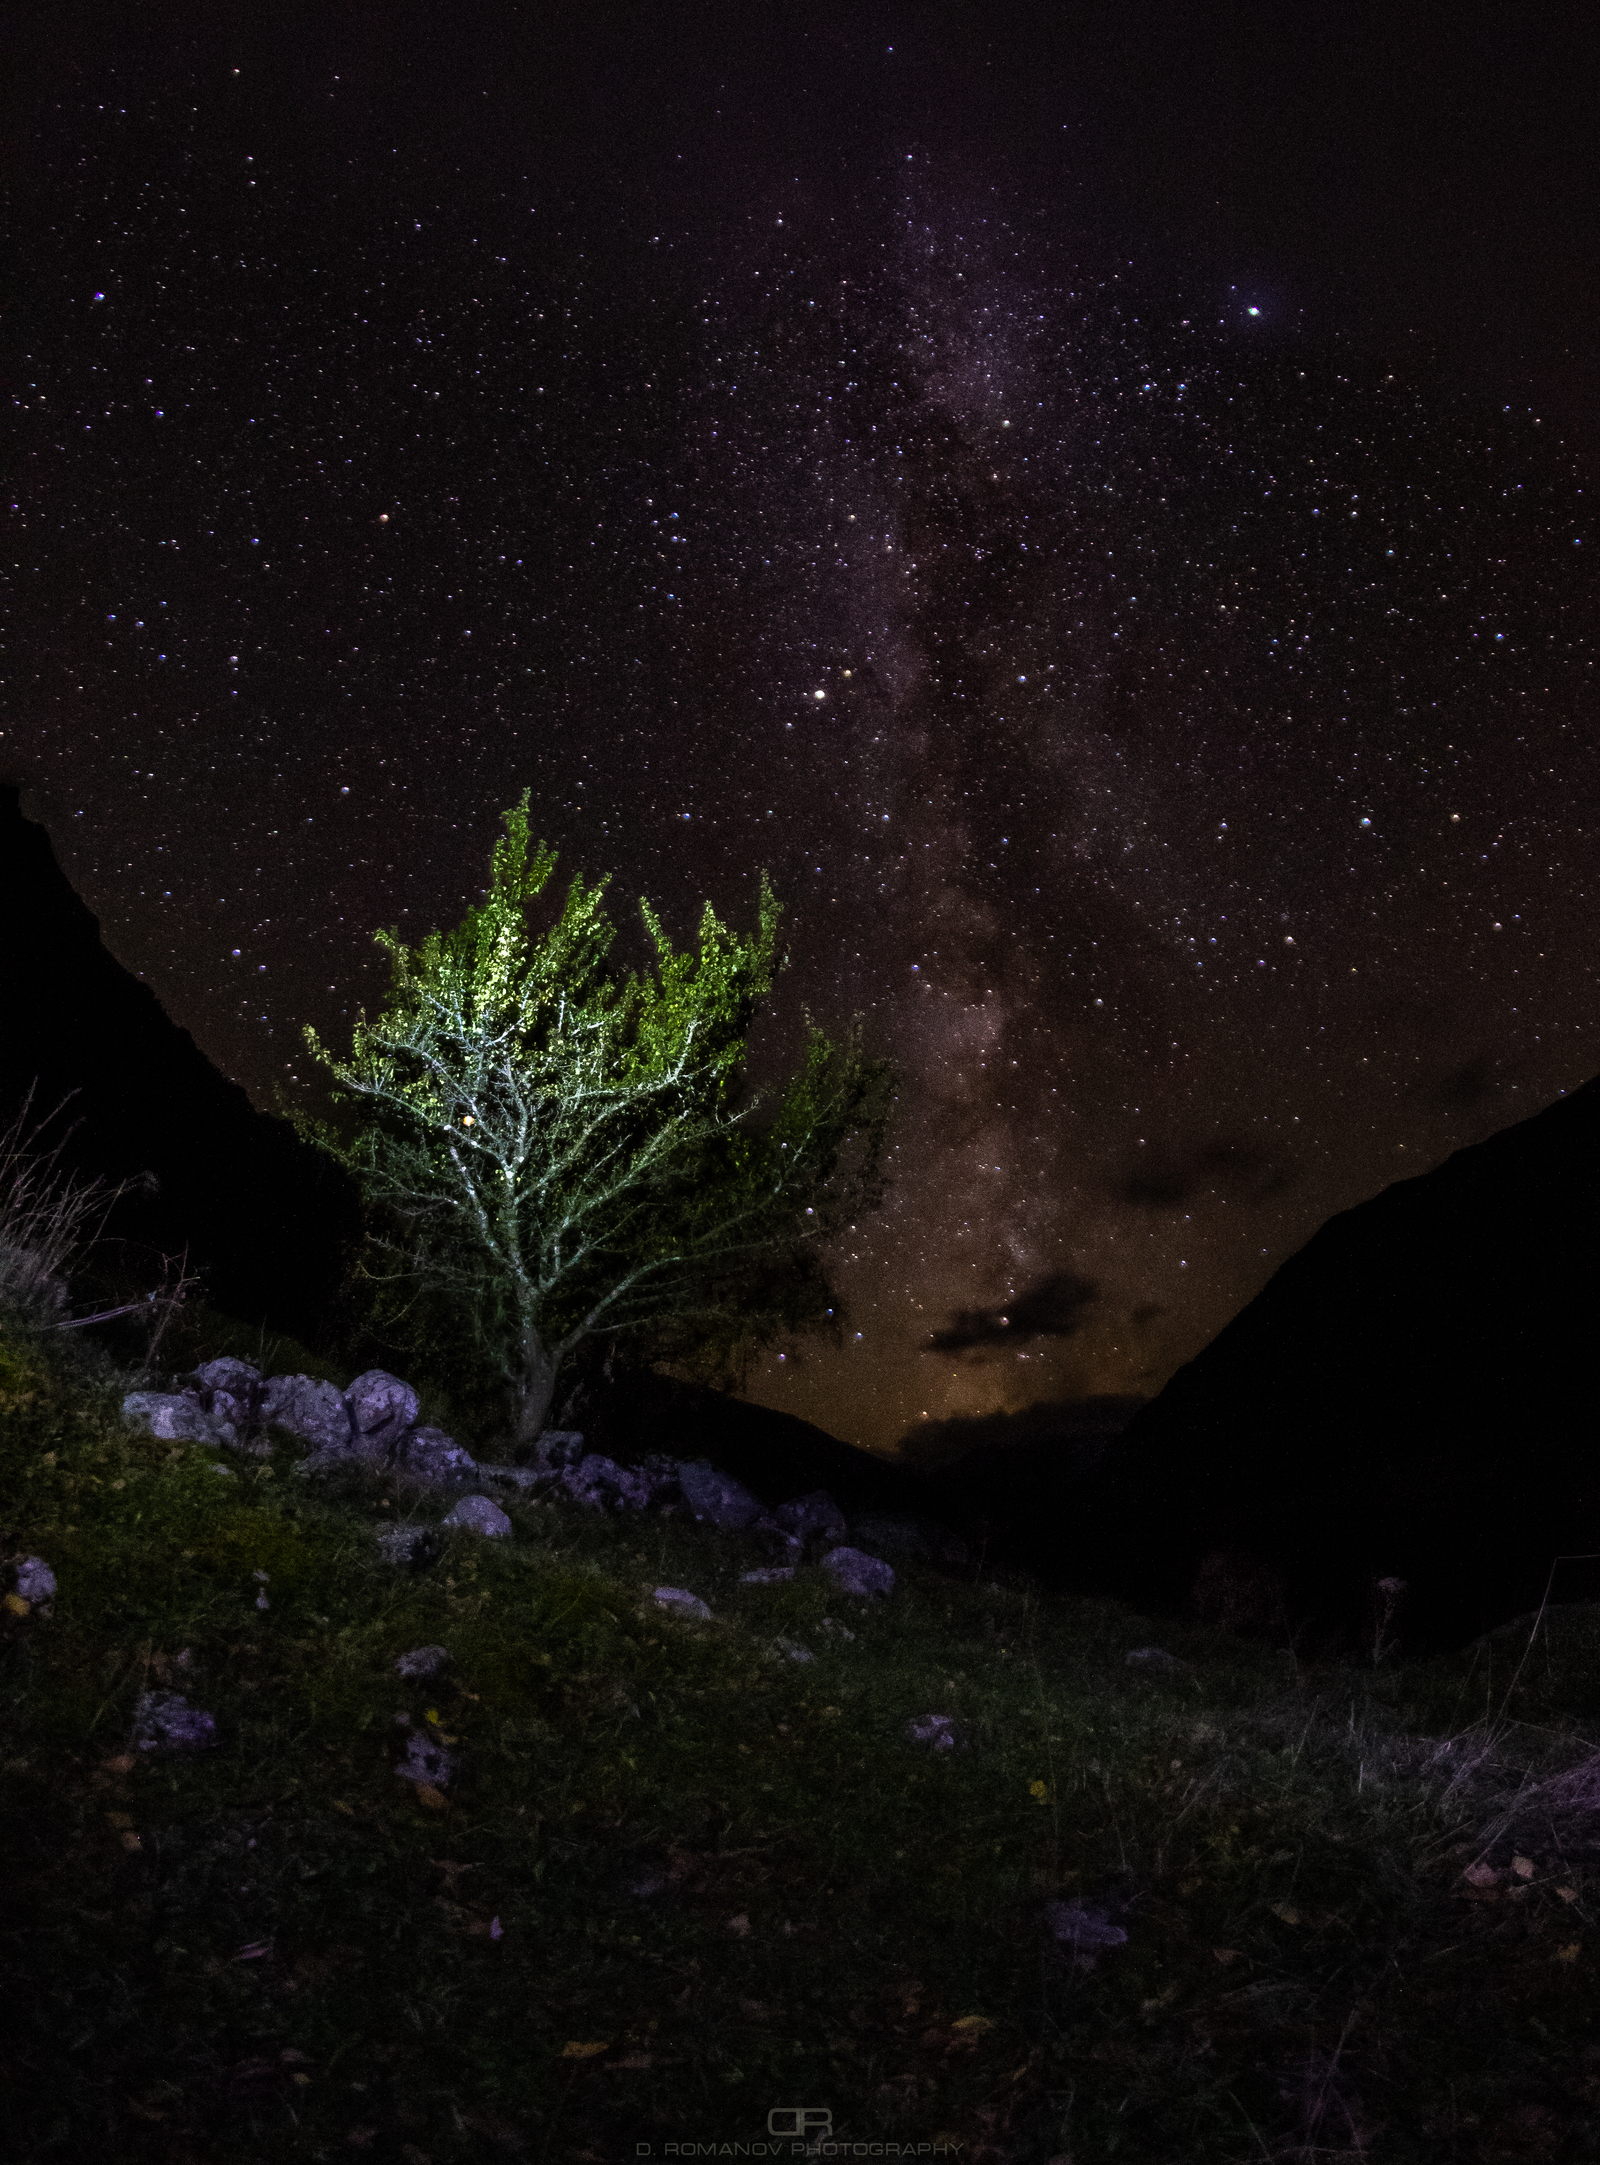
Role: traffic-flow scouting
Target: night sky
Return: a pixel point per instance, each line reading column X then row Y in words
column 1098, row 506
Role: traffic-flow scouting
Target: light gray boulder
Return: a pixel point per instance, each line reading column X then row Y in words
column 716, row 1499
column 853, row 1572
column 769, row 1575
column 431, row 1455
column 477, row 1515
column 681, row 1602
column 175, row 1418
column 382, row 1408
column 232, row 1391
column 237, row 1378
column 315, row 1412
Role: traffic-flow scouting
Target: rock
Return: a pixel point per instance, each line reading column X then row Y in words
column 237, row 1378
column 231, row 1391
column 682, row 1603
column 558, row 1447
column 526, row 1478
column 477, row 1515
column 940, row 1732
column 414, row 1545
column 165, row 1721
column 431, row 1455
column 426, row 1762
column 315, row 1412
column 603, row 1485
column 791, row 1652
column 382, row 1408
column 423, row 1661
column 836, row 1630
column 813, row 1514
column 175, row 1418
column 659, row 1475
column 226, row 1471
column 1154, row 1657
column 716, row 1499
column 856, row 1573
column 769, row 1575
column 35, row 1580
column 1082, row 1925
column 917, row 1539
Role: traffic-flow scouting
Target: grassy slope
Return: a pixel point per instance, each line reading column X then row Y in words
column 1305, row 1973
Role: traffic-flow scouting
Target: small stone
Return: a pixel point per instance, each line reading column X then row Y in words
column 838, row 1631
column 426, row 1761
column 408, row 1545
column 226, row 1471
column 940, row 1732
column 477, row 1515
column 769, row 1575
column 854, row 1572
column 315, row 1412
column 35, row 1580
column 681, row 1602
column 792, row 1652
column 165, row 1721
column 423, row 1661
column 1154, row 1657
column 1083, row 1925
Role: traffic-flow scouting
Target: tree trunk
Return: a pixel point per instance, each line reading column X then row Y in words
column 536, row 1389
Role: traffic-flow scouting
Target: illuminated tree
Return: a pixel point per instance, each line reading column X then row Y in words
column 569, row 1150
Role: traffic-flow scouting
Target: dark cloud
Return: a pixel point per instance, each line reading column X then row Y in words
column 1160, row 1179
column 1054, row 1308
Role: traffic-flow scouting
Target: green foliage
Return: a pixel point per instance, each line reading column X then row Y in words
column 560, row 1151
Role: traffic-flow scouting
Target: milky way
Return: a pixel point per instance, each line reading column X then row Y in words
column 1170, row 732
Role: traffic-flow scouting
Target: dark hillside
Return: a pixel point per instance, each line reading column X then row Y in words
column 265, row 1217
column 1411, row 1395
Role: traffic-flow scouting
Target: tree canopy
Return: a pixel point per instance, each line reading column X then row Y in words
column 570, row 1152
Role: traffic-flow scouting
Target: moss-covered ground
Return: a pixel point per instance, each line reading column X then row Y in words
column 681, row 1880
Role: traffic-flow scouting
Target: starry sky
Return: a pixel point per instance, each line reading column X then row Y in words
column 1102, row 517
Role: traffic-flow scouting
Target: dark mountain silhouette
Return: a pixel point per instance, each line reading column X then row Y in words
column 265, row 1217
column 1412, row 1395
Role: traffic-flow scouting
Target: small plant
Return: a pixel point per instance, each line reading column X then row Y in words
column 46, row 1216
column 1388, row 1597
